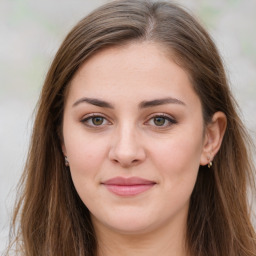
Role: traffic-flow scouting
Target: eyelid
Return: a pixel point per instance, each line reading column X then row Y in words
column 87, row 117
column 168, row 117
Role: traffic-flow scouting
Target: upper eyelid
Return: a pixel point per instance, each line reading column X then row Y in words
column 161, row 115
column 95, row 115
column 169, row 118
column 86, row 119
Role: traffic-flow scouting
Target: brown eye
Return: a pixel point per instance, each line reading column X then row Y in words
column 159, row 121
column 97, row 120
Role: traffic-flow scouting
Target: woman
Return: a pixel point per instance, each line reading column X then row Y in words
column 137, row 148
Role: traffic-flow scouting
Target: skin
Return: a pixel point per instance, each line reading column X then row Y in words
column 127, row 140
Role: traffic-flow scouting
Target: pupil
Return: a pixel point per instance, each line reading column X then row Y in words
column 97, row 120
column 159, row 121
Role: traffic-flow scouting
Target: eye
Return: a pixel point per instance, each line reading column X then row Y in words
column 95, row 121
column 161, row 121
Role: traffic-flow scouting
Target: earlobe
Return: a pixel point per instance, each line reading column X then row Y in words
column 65, row 154
column 214, row 133
column 66, row 161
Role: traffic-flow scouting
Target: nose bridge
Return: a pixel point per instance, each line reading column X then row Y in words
column 127, row 137
column 126, row 148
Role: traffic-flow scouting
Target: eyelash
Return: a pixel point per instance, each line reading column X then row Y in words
column 168, row 121
column 89, row 119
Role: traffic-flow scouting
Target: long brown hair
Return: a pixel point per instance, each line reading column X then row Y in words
column 50, row 219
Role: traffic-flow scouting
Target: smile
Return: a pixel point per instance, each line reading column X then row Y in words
column 128, row 186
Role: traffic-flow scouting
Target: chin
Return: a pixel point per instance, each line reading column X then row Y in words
column 130, row 228
column 128, row 224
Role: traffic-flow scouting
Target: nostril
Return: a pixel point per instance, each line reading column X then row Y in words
column 126, row 152
column 125, row 162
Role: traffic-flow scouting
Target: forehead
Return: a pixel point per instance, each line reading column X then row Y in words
column 138, row 69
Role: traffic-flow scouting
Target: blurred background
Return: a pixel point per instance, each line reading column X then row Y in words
column 30, row 34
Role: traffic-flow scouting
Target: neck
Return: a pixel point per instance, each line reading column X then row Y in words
column 164, row 241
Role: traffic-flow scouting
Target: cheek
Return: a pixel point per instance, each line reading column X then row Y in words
column 86, row 158
column 85, row 153
column 178, row 160
column 179, row 151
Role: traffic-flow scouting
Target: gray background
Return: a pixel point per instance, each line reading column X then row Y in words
column 32, row 30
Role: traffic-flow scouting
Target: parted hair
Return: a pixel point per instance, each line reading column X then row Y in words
column 49, row 217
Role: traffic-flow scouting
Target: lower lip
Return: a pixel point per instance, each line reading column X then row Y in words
column 129, row 190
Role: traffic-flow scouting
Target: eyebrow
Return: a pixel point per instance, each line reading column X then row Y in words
column 95, row 102
column 143, row 104
column 158, row 102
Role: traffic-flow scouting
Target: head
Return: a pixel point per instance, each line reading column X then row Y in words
column 180, row 39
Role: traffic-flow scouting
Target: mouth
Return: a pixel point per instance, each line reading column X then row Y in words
column 128, row 186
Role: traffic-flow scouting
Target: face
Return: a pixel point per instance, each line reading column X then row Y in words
column 133, row 135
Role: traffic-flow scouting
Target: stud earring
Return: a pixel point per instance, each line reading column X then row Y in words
column 66, row 161
column 210, row 162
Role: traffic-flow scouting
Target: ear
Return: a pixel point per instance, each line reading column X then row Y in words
column 63, row 147
column 214, row 133
column 61, row 138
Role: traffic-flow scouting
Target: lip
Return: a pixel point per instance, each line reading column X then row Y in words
column 128, row 186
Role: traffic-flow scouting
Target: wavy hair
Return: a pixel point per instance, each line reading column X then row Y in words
column 50, row 218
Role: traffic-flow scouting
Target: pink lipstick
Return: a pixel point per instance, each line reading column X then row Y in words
column 128, row 186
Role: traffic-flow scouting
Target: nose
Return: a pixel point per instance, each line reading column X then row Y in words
column 127, row 149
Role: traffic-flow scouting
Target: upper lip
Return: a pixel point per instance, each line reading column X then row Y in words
column 121, row 181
